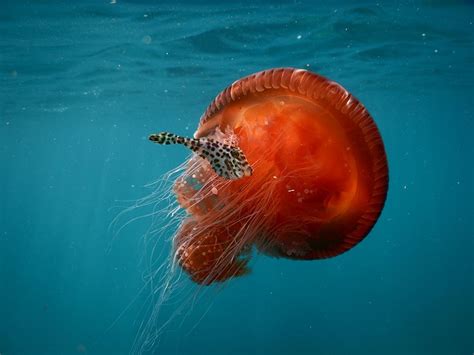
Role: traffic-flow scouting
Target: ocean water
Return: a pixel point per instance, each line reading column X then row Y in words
column 83, row 83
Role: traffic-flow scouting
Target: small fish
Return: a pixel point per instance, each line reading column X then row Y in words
column 227, row 161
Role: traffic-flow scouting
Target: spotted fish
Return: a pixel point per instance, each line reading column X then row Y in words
column 226, row 160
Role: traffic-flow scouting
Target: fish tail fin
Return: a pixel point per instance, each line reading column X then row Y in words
column 165, row 138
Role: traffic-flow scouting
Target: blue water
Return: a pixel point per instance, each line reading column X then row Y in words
column 83, row 83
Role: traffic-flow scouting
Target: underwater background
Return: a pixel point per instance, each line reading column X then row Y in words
column 82, row 85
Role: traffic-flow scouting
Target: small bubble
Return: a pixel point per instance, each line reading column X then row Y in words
column 436, row 51
column 423, row 35
column 146, row 39
column 298, row 37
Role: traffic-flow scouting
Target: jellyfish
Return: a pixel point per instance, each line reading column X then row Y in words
column 285, row 162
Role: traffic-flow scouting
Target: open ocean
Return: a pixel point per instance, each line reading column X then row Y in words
column 83, row 84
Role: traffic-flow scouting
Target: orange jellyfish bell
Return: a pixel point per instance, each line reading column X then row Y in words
column 318, row 184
